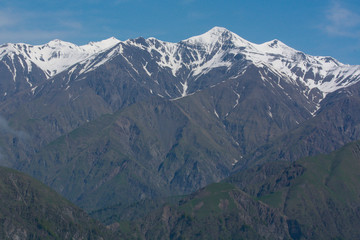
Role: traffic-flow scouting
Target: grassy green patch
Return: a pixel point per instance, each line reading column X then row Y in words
column 274, row 199
column 215, row 199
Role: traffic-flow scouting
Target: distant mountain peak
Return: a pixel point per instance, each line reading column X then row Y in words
column 217, row 35
column 218, row 31
column 276, row 43
column 57, row 43
column 109, row 42
column 56, row 55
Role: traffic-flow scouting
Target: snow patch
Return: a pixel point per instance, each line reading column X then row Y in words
column 216, row 114
column 147, row 71
column 237, row 99
column 28, row 81
column 269, row 112
column 235, row 161
column 33, row 90
column 185, row 87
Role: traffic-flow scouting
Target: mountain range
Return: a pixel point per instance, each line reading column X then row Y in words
column 112, row 123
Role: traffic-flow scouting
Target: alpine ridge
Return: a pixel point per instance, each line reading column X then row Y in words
column 187, row 62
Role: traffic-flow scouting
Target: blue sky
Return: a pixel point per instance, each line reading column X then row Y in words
column 316, row 27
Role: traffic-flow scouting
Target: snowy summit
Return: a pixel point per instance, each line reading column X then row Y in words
column 189, row 59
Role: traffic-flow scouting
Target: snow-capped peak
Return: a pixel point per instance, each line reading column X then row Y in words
column 277, row 47
column 57, row 42
column 56, row 55
column 324, row 73
column 101, row 45
column 218, row 35
column 209, row 37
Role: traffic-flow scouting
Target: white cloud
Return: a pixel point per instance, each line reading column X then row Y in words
column 342, row 21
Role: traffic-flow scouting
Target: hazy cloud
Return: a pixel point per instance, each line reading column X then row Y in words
column 195, row 15
column 342, row 21
column 8, row 18
column 71, row 24
column 35, row 26
column 4, row 127
column 33, row 36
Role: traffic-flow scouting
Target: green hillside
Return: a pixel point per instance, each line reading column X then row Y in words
column 320, row 195
column 31, row 210
column 313, row 198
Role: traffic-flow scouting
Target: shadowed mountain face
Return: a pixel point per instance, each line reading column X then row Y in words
column 30, row 210
column 336, row 123
column 314, row 198
column 127, row 156
column 118, row 122
column 215, row 212
column 319, row 195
